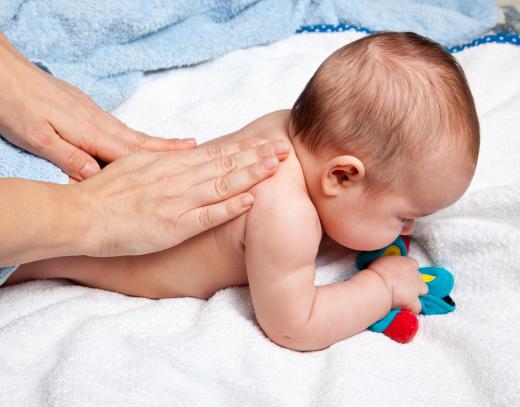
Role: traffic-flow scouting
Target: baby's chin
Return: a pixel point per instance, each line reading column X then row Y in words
column 360, row 245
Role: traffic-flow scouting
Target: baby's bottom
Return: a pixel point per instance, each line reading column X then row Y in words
column 119, row 274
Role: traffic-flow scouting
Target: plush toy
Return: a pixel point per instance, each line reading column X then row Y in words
column 402, row 325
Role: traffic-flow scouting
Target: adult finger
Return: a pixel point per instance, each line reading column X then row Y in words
column 201, row 219
column 72, row 160
column 229, row 163
column 127, row 141
column 212, row 151
column 141, row 141
column 220, row 188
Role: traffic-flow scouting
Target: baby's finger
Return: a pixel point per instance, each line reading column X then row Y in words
column 416, row 307
column 221, row 188
column 424, row 288
column 414, row 261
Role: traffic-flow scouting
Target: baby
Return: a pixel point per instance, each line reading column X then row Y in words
column 385, row 132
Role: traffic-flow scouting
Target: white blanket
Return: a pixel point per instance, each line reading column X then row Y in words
column 67, row 345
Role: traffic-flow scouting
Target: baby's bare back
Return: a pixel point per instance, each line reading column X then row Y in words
column 215, row 259
column 198, row 267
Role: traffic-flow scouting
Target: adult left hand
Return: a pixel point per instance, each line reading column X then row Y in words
column 57, row 121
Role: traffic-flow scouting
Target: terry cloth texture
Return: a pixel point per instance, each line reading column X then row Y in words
column 77, row 346
column 103, row 47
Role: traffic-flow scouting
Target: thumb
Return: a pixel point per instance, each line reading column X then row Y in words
column 72, row 160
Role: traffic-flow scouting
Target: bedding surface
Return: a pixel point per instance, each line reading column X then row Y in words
column 67, row 345
column 103, row 47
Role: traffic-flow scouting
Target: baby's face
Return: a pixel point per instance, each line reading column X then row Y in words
column 360, row 221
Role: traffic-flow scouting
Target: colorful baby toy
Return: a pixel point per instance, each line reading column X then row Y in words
column 402, row 325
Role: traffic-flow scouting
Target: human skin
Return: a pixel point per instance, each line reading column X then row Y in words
column 139, row 204
column 116, row 212
column 273, row 248
column 55, row 120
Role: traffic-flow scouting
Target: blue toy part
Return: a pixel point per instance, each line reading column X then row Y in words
column 440, row 283
column 382, row 324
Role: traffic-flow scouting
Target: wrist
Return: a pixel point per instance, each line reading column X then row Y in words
column 384, row 286
column 65, row 223
column 41, row 220
column 75, row 221
column 84, row 233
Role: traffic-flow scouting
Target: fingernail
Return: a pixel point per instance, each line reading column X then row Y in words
column 270, row 163
column 281, row 147
column 189, row 140
column 247, row 200
column 88, row 170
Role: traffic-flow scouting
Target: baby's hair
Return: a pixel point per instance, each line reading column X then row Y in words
column 386, row 98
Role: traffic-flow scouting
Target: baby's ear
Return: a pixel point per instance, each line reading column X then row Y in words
column 340, row 172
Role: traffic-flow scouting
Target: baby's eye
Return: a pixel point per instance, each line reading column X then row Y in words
column 403, row 220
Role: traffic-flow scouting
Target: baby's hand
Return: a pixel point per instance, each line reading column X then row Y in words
column 403, row 280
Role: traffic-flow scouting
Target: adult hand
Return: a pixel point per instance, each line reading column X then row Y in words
column 55, row 120
column 148, row 202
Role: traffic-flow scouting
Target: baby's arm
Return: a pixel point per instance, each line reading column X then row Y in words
column 281, row 244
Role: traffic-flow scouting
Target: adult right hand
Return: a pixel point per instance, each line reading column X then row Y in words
column 151, row 201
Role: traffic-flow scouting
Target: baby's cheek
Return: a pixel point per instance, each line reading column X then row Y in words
column 367, row 238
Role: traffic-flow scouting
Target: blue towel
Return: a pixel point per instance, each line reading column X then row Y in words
column 103, row 47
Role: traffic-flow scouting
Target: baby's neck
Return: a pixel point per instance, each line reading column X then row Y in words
column 310, row 165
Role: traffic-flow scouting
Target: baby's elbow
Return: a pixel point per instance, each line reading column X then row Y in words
column 299, row 340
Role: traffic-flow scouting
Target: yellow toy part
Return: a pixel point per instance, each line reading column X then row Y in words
column 427, row 278
column 392, row 251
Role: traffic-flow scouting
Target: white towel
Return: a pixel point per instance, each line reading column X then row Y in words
column 66, row 345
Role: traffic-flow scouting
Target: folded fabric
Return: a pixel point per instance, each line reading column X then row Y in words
column 104, row 47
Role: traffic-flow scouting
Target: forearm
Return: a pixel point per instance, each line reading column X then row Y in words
column 7, row 50
column 340, row 311
column 40, row 220
column 11, row 60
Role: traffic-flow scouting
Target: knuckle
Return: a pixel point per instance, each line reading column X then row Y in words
column 266, row 151
column 250, row 143
column 222, row 186
column 214, row 151
column 141, row 138
column 257, row 171
column 230, row 209
column 42, row 140
column 205, row 218
column 227, row 164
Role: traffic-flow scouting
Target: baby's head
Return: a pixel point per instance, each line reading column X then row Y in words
column 386, row 132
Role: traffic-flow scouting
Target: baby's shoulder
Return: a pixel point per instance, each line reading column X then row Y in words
column 283, row 209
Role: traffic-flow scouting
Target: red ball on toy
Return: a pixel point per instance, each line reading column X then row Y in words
column 404, row 327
